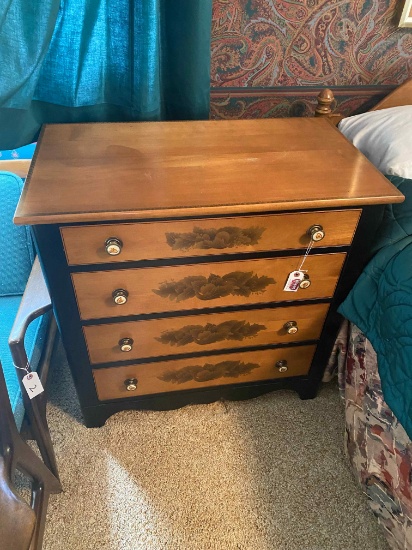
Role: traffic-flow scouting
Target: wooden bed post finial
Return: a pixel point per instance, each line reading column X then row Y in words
column 325, row 100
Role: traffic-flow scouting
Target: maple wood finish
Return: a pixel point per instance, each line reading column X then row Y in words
column 164, row 377
column 120, row 171
column 167, row 246
column 150, row 241
column 199, row 333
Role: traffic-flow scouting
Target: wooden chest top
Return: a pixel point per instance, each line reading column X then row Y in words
column 113, row 171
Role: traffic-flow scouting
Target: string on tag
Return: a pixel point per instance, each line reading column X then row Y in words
column 26, row 368
column 308, row 249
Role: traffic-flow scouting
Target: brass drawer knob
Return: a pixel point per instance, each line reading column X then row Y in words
column 282, row 365
column 131, row 384
column 316, row 233
column 291, row 327
column 126, row 344
column 120, row 296
column 305, row 282
column 113, row 246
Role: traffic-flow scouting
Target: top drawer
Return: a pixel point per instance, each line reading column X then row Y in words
column 86, row 244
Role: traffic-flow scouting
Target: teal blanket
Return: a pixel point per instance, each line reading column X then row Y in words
column 380, row 304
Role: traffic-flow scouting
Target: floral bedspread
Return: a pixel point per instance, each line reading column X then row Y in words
column 378, row 448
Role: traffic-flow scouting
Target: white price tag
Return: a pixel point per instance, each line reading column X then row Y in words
column 294, row 280
column 32, row 384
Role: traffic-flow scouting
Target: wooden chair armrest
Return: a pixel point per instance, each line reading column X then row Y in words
column 18, row 166
column 35, row 302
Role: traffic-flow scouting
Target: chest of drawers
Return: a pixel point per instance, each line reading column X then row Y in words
column 167, row 247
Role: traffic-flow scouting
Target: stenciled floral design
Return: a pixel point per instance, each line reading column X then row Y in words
column 236, row 283
column 226, row 237
column 209, row 371
column 210, row 333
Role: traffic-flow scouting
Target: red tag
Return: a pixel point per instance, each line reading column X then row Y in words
column 293, row 281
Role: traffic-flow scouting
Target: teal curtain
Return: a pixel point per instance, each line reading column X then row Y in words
column 101, row 60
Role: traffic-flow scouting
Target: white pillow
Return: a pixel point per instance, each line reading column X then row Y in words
column 384, row 137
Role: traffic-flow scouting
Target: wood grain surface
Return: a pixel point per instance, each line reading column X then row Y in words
column 102, row 172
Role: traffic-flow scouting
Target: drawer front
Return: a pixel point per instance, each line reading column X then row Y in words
column 198, row 286
column 188, row 334
column 177, row 239
column 202, row 372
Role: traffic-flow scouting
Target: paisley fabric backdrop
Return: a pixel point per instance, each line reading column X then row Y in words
column 265, row 51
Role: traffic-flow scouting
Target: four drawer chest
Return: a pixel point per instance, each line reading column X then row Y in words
column 194, row 261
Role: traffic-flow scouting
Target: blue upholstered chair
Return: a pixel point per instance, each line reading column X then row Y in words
column 27, row 333
column 27, row 328
column 16, row 260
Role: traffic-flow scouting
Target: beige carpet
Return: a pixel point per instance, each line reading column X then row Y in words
column 264, row 474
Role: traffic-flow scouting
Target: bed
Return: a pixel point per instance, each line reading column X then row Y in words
column 373, row 351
